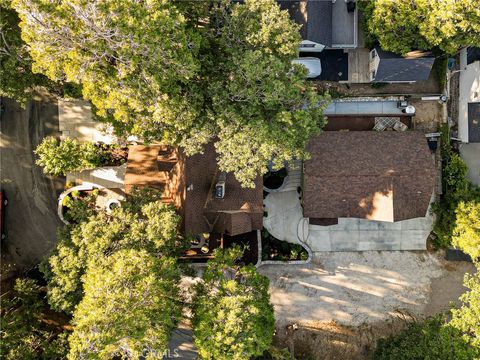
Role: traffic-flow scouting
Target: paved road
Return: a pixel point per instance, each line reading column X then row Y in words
column 31, row 219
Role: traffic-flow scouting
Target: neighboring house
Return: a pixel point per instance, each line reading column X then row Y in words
column 389, row 67
column 383, row 176
column 325, row 24
column 469, row 111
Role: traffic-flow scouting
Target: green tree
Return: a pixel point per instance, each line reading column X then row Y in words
column 17, row 81
column 129, row 308
column 264, row 107
column 154, row 229
column 466, row 234
column 466, row 319
column 23, row 335
column 134, row 59
column 450, row 24
column 184, row 74
column 402, row 26
column 232, row 315
column 58, row 157
column 395, row 24
column 430, row 339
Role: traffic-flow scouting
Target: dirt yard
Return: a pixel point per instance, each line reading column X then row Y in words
column 338, row 306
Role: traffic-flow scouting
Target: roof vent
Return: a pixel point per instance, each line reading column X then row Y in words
column 220, row 186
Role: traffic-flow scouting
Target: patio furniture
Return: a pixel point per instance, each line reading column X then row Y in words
column 385, row 122
column 399, row 126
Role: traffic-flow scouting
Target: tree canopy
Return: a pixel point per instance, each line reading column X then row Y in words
column 466, row 319
column 232, row 315
column 181, row 74
column 17, row 81
column 23, row 334
column 466, row 234
column 153, row 228
column 129, row 308
column 402, row 26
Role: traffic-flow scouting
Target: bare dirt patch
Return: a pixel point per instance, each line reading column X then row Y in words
column 338, row 306
column 429, row 115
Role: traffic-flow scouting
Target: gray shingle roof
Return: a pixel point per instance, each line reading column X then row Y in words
column 415, row 66
column 315, row 16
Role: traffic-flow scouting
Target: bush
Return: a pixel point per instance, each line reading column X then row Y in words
column 59, row 157
column 24, row 335
column 79, row 208
column 232, row 315
column 440, row 70
column 457, row 189
column 432, row 339
column 466, row 233
column 274, row 249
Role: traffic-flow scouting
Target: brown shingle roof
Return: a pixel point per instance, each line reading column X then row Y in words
column 188, row 182
column 201, row 175
column 386, row 176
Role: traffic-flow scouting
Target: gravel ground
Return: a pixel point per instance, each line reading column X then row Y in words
column 344, row 301
column 353, row 288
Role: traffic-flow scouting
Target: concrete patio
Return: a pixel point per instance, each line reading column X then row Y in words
column 285, row 221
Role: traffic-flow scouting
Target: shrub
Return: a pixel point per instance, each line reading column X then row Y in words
column 24, row 335
column 79, row 208
column 233, row 318
column 58, row 157
column 466, row 319
column 432, row 339
column 440, row 71
column 457, row 189
column 466, row 233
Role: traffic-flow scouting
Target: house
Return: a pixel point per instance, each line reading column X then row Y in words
column 389, row 67
column 325, row 24
column 208, row 200
column 383, row 176
column 469, row 111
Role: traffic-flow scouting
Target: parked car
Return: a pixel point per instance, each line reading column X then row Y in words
column 312, row 64
column 3, row 204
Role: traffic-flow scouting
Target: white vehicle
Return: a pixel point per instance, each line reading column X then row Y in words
column 312, row 64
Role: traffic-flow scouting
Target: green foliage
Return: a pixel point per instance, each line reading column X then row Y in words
column 466, row 319
column 440, row 69
column 58, row 157
column 264, row 108
column 79, row 208
column 432, row 339
column 466, row 233
column 395, row 24
column 129, row 308
column 457, row 189
column 378, row 85
column 17, row 81
column 153, row 229
column 184, row 74
column 402, row 26
column 450, row 25
column 233, row 318
column 274, row 249
column 23, row 335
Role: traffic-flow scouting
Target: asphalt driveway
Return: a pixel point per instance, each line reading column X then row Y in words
column 31, row 220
